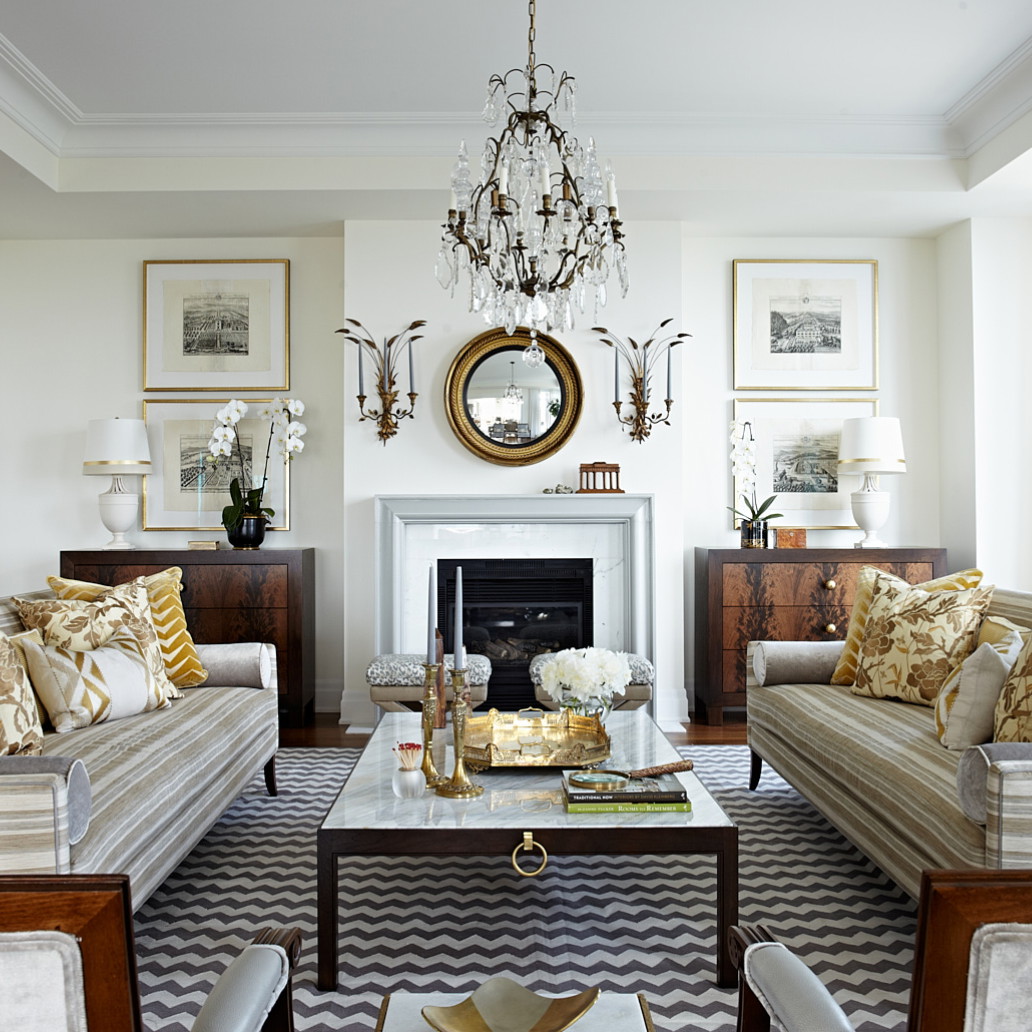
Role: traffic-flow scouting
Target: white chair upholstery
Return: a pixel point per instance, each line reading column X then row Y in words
column 395, row 680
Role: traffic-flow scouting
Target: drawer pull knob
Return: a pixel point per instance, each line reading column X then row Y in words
column 831, row 628
column 830, row 584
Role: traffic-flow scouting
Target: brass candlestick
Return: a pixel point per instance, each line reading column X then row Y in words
column 430, row 772
column 459, row 785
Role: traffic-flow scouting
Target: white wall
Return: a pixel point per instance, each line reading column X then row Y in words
column 71, row 351
column 70, row 346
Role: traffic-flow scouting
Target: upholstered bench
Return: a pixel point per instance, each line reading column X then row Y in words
column 637, row 693
column 396, row 680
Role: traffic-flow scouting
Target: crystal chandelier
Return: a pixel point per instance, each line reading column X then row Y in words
column 539, row 233
column 512, row 392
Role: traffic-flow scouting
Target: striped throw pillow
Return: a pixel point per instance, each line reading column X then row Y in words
column 178, row 652
column 845, row 669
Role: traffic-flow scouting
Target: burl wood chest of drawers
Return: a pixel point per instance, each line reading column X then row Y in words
column 230, row 595
column 787, row 594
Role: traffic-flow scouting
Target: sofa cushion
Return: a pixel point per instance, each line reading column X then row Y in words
column 965, row 707
column 164, row 591
column 107, row 683
column 1013, row 717
column 915, row 638
column 845, row 670
column 194, row 757
column 80, row 625
column 876, row 766
column 20, row 729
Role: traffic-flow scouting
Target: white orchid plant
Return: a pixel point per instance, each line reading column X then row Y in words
column 586, row 680
column 743, row 469
column 284, row 430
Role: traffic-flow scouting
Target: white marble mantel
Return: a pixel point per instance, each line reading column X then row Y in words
column 614, row 530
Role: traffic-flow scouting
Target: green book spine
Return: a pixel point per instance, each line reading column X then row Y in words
column 685, row 807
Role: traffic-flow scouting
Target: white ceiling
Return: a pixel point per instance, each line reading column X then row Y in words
column 248, row 117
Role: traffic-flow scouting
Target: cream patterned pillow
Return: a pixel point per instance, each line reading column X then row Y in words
column 164, row 589
column 965, row 708
column 915, row 638
column 1013, row 717
column 20, row 728
column 18, row 641
column 845, row 669
column 80, row 626
column 105, row 683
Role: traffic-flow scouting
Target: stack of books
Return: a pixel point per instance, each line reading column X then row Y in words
column 662, row 793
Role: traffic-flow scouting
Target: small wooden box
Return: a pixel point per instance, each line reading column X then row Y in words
column 790, row 537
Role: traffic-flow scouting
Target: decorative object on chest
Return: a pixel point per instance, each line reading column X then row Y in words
column 234, row 596
column 799, row 594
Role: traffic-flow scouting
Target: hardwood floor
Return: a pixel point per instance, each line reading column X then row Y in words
column 327, row 733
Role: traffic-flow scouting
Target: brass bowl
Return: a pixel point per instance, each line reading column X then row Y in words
column 502, row 1005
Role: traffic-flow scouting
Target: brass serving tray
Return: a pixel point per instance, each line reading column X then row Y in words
column 534, row 738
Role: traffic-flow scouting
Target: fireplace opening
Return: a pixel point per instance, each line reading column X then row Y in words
column 514, row 610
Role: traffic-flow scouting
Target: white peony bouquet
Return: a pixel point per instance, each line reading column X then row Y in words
column 585, row 680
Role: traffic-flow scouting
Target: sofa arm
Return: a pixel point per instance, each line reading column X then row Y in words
column 45, row 804
column 791, row 662
column 994, row 785
column 239, row 664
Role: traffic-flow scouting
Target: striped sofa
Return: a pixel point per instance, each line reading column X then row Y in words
column 157, row 781
column 876, row 770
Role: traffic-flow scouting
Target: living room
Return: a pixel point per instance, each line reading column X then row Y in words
column 938, row 193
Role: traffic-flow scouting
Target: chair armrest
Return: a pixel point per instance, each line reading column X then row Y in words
column 789, row 991
column 246, row 992
column 239, row 664
column 791, row 662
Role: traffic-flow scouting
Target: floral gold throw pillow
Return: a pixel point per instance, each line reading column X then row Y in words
column 845, row 669
column 915, row 638
column 1013, row 717
column 182, row 664
column 20, row 730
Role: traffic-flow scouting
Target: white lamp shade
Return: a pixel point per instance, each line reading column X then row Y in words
column 872, row 444
column 116, row 447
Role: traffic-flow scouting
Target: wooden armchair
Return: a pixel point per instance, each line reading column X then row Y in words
column 973, row 957
column 68, row 961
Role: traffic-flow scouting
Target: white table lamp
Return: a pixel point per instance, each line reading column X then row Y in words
column 872, row 445
column 117, row 448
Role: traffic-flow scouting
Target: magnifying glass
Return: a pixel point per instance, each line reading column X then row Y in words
column 613, row 780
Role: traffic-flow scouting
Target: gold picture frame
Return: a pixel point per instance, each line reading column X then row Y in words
column 812, row 496
column 179, row 493
column 805, row 325
column 216, row 325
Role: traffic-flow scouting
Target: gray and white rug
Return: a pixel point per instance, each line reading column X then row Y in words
column 628, row 925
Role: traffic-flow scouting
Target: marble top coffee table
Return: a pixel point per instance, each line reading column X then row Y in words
column 367, row 819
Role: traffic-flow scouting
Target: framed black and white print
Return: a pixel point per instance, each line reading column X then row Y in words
column 185, row 489
column 797, row 441
column 216, row 325
column 804, row 325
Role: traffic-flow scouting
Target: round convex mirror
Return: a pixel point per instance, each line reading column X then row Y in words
column 509, row 412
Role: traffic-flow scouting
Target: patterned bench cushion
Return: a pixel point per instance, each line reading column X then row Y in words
column 642, row 670
column 406, row 668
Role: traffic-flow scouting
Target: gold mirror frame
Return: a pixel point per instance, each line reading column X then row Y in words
column 470, row 357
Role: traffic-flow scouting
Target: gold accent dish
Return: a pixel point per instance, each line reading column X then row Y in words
column 535, row 738
column 502, row 1004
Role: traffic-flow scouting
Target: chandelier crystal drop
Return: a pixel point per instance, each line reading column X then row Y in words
column 538, row 234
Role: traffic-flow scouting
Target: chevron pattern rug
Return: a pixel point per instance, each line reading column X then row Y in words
column 423, row 925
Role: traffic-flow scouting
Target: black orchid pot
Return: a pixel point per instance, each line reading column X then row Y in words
column 754, row 533
column 249, row 533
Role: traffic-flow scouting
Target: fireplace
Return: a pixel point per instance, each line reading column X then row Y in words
column 514, row 610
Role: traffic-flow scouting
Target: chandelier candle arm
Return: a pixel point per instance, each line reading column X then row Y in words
column 385, row 361
column 641, row 360
column 539, row 233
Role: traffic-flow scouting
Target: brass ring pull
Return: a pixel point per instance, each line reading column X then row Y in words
column 829, row 584
column 526, row 846
column 831, row 628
